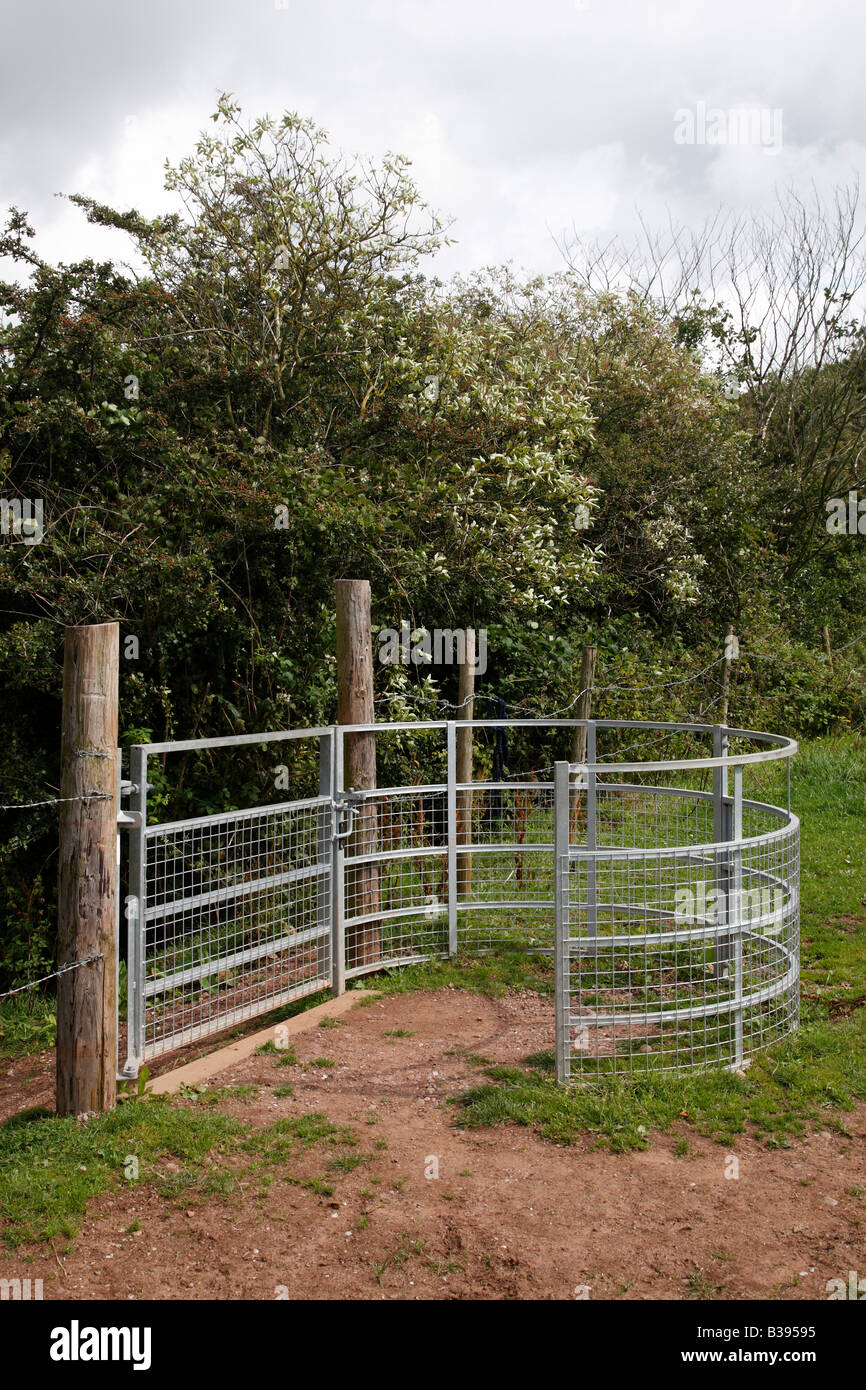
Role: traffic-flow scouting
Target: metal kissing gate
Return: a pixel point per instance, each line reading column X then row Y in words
column 668, row 901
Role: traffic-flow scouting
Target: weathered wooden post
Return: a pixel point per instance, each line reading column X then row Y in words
column 825, row 633
column 87, row 891
column 355, row 706
column 583, row 710
column 466, row 707
column 730, row 647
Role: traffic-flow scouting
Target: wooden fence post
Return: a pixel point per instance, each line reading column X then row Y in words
column 355, row 706
column 583, row 710
column 825, row 633
column 726, row 674
column 87, row 888
column 466, row 707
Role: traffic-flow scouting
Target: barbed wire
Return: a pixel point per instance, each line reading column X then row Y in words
column 553, row 714
column 55, row 801
column 64, row 970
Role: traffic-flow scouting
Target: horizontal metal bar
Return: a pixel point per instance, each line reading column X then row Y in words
column 172, row 1041
column 581, row 853
column 393, row 962
column 158, row 911
column 215, row 965
column 421, row 851
column 399, row 726
column 675, row 1014
column 193, row 745
column 279, row 808
column 623, row 941
column 693, row 764
column 394, row 914
column 423, row 909
column 387, row 856
column 422, row 789
column 669, row 726
column 780, row 747
column 526, row 904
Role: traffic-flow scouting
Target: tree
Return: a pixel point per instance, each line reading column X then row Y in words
column 774, row 303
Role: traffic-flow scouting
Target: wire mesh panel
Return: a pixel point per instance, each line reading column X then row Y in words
column 674, row 958
column 505, row 890
column 232, row 916
column 395, row 867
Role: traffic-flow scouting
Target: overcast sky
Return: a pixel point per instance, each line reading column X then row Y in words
column 521, row 119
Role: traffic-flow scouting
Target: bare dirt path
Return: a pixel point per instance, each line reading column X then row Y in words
column 509, row 1216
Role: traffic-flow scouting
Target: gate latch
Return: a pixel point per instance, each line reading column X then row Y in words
column 347, row 808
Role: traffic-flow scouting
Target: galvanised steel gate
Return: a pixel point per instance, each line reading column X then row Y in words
column 671, row 911
column 677, row 917
column 229, row 914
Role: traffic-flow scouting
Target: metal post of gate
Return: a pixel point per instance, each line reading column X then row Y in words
column 562, row 946
column 591, row 838
column 122, row 819
column 451, row 734
column 135, row 909
column 735, row 916
column 338, row 871
column 721, row 833
column 326, row 849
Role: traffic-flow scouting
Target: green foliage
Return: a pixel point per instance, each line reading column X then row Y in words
column 28, row 1023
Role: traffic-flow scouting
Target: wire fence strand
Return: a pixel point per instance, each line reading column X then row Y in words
column 64, row 969
column 55, row 801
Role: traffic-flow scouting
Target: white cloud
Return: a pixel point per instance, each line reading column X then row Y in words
column 520, row 119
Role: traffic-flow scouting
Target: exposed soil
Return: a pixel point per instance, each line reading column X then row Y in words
column 510, row 1216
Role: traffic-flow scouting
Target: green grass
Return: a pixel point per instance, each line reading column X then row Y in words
column 347, row 1163
column 294, row 1132
column 813, row 1076
column 829, row 796
column 700, row 1286
column 286, row 1056
column 405, row 1251
column 494, row 974
column 51, row 1167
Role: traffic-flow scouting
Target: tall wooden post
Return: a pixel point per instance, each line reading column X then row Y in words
column 583, row 710
column 355, row 706
column 825, row 633
column 466, row 704
column 87, row 890
column 726, row 674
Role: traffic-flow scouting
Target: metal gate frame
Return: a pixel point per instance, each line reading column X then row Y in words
column 142, row 910
column 549, row 850
column 729, row 856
